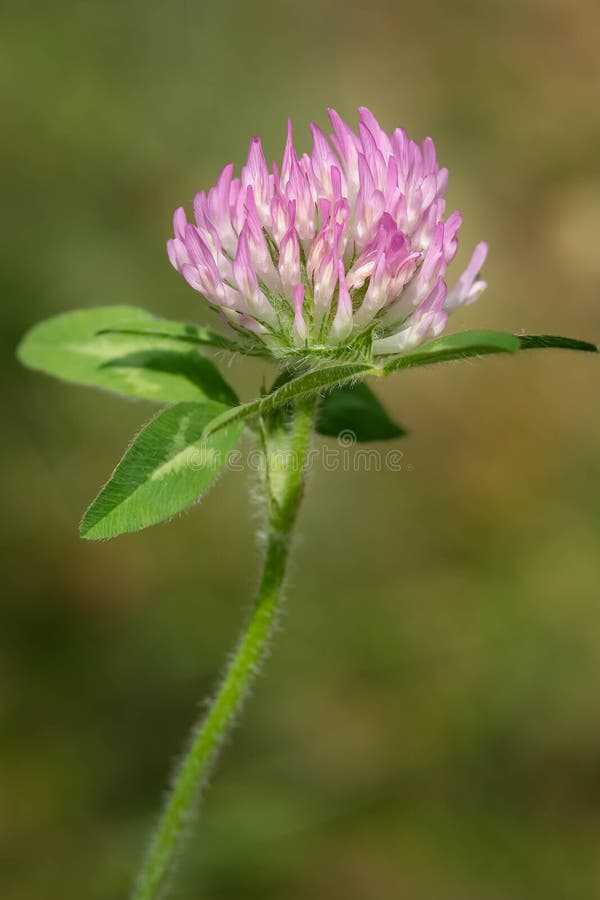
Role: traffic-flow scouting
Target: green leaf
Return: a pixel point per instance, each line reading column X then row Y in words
column 69, row 346
column 544, row 341
column 167, row 467
column 178, row 331
column 312, row 382
column 303, row 386
column 355, row 409
column 455, row 346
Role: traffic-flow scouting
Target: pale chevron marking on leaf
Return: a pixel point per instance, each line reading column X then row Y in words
column 69, row 346
column 165, row 470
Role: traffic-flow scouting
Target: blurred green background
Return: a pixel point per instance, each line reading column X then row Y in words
column 429, row 728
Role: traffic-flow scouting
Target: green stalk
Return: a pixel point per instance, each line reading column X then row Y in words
column 283, row 484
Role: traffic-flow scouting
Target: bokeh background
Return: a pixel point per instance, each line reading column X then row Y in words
column 429, row 728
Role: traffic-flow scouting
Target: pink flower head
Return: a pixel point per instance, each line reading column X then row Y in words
column 348, row 239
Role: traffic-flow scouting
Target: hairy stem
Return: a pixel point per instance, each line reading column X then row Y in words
column 283, row 484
